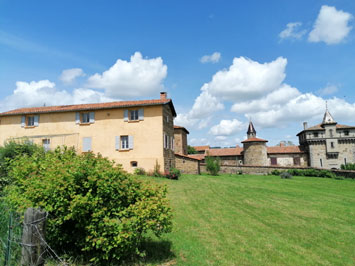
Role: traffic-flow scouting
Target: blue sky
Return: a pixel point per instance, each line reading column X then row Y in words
column 222, row 62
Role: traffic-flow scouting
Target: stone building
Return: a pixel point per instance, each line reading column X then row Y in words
column 329, row 144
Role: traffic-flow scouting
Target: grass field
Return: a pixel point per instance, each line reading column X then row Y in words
column 258, row 220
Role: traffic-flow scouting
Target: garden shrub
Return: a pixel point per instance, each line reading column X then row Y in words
column 139, row 171
column 173, row 174
column 286, row 175
column 213, row 165
column 96, row 210
column 348, row 166
column 9, row 151
column 275, row 172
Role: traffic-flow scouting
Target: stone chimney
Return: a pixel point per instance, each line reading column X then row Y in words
column 163, row 95
column 305, row 125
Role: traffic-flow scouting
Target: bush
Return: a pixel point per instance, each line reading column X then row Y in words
column 286, row 175
column 213, row 165
column 275, row 172
column 139, row 171
column 348, row 166
column 96, row 209
column 11, row 150
column 173, row 174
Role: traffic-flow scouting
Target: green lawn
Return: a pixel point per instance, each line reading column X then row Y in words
column 258, row 220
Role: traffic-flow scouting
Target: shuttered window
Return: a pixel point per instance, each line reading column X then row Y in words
column 85, row 118
column 87, row 144
column 30, row 121
column 133, row 115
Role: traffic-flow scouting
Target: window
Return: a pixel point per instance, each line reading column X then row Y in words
column 345, row 161
column 85, row 118
column 273, row 161
column 166, row 141
column 315, row 134
column 29, row 121
column 331, row 132
column 332, row 145
column 296, row 160
column 133, row 115
column 321, row 163
column 87, row 144
column 46, row 143
column 346, row 133
column 124, row 142
column 134, row 163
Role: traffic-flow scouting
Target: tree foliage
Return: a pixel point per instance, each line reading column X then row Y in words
column 191, row 150
column 95, row 208
column 213, row 164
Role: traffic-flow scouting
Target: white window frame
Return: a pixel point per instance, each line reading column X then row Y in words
column 133, row 115
column 30, row 121
column 85, row 118
column 124, row 143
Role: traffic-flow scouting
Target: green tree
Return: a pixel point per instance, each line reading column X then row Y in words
column 213, row 164
column 191, row 150
column 96, row 209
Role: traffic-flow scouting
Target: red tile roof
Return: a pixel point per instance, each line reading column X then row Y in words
column 201, row 148
column 91, row 106
column 319, row 127
column 179, row 127
column 189, row 157
column 197, row 156
column 254, row 140
column 284, row 149
column 225, row 152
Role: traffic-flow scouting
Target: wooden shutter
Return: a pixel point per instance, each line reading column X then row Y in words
column 23, row 121
column 36, row 119
column 141, row 114
column 125, row 115
column 130, row 142
column 117, row 143
column 92, row 117
column 77, row 118
column 86, row 144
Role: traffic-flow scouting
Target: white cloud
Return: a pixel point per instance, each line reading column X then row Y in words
column 138, row 77
column 292, row 31
column 328, row 90
column 227, row 128
column 247, row 79
column 331, row 26
column 69, row 75
column 44, row 92
column 213, row 58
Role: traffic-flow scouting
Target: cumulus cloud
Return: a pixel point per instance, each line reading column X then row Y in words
column 44, row 92
column 292, row 31
column 331, row 26
column 69, row 75
column 213, row 58
column 247, row 79
column 138, row 77
column 227, row 127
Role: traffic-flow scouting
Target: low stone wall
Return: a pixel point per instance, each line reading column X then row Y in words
column 245, row 169
column 187, row 165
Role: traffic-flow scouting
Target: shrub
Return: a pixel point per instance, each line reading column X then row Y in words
column 286, row 175
column 139, row 171
column 173, row 174
column 156, row 171
column 96, row 209
column 348, row 166
column 11, row 150
column 275, row 172
column 213, row 165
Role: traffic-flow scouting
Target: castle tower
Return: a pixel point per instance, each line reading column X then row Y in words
column 255, row 152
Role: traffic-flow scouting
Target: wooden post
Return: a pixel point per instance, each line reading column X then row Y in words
column 33, row 237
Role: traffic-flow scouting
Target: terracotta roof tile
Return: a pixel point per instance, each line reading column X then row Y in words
column 84, row 107
column 201, row 148
column 179, row 127
column 284, row 149
column 197, row 156
column 254, row 140
column 225, row 152
column 319, row 127
column 188, row 156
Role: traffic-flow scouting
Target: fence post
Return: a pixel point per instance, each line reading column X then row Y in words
column 33, row 237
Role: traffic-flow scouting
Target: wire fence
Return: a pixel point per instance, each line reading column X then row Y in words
column 22, row 239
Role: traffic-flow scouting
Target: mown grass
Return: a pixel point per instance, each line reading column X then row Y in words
column 257, row 220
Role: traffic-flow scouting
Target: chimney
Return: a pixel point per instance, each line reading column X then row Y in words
column 163, row 95
column 305, row 125
column 282, row 144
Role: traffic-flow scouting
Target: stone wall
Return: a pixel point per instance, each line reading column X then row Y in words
column 255, row 153
column 180, row 141
column 168, row 128
column 288, row 159
column 187, row 165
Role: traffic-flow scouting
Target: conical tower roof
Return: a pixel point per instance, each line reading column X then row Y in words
column 251, row 129
column 328, row 118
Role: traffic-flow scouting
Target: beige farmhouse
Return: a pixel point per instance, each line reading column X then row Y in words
column 133, row 133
